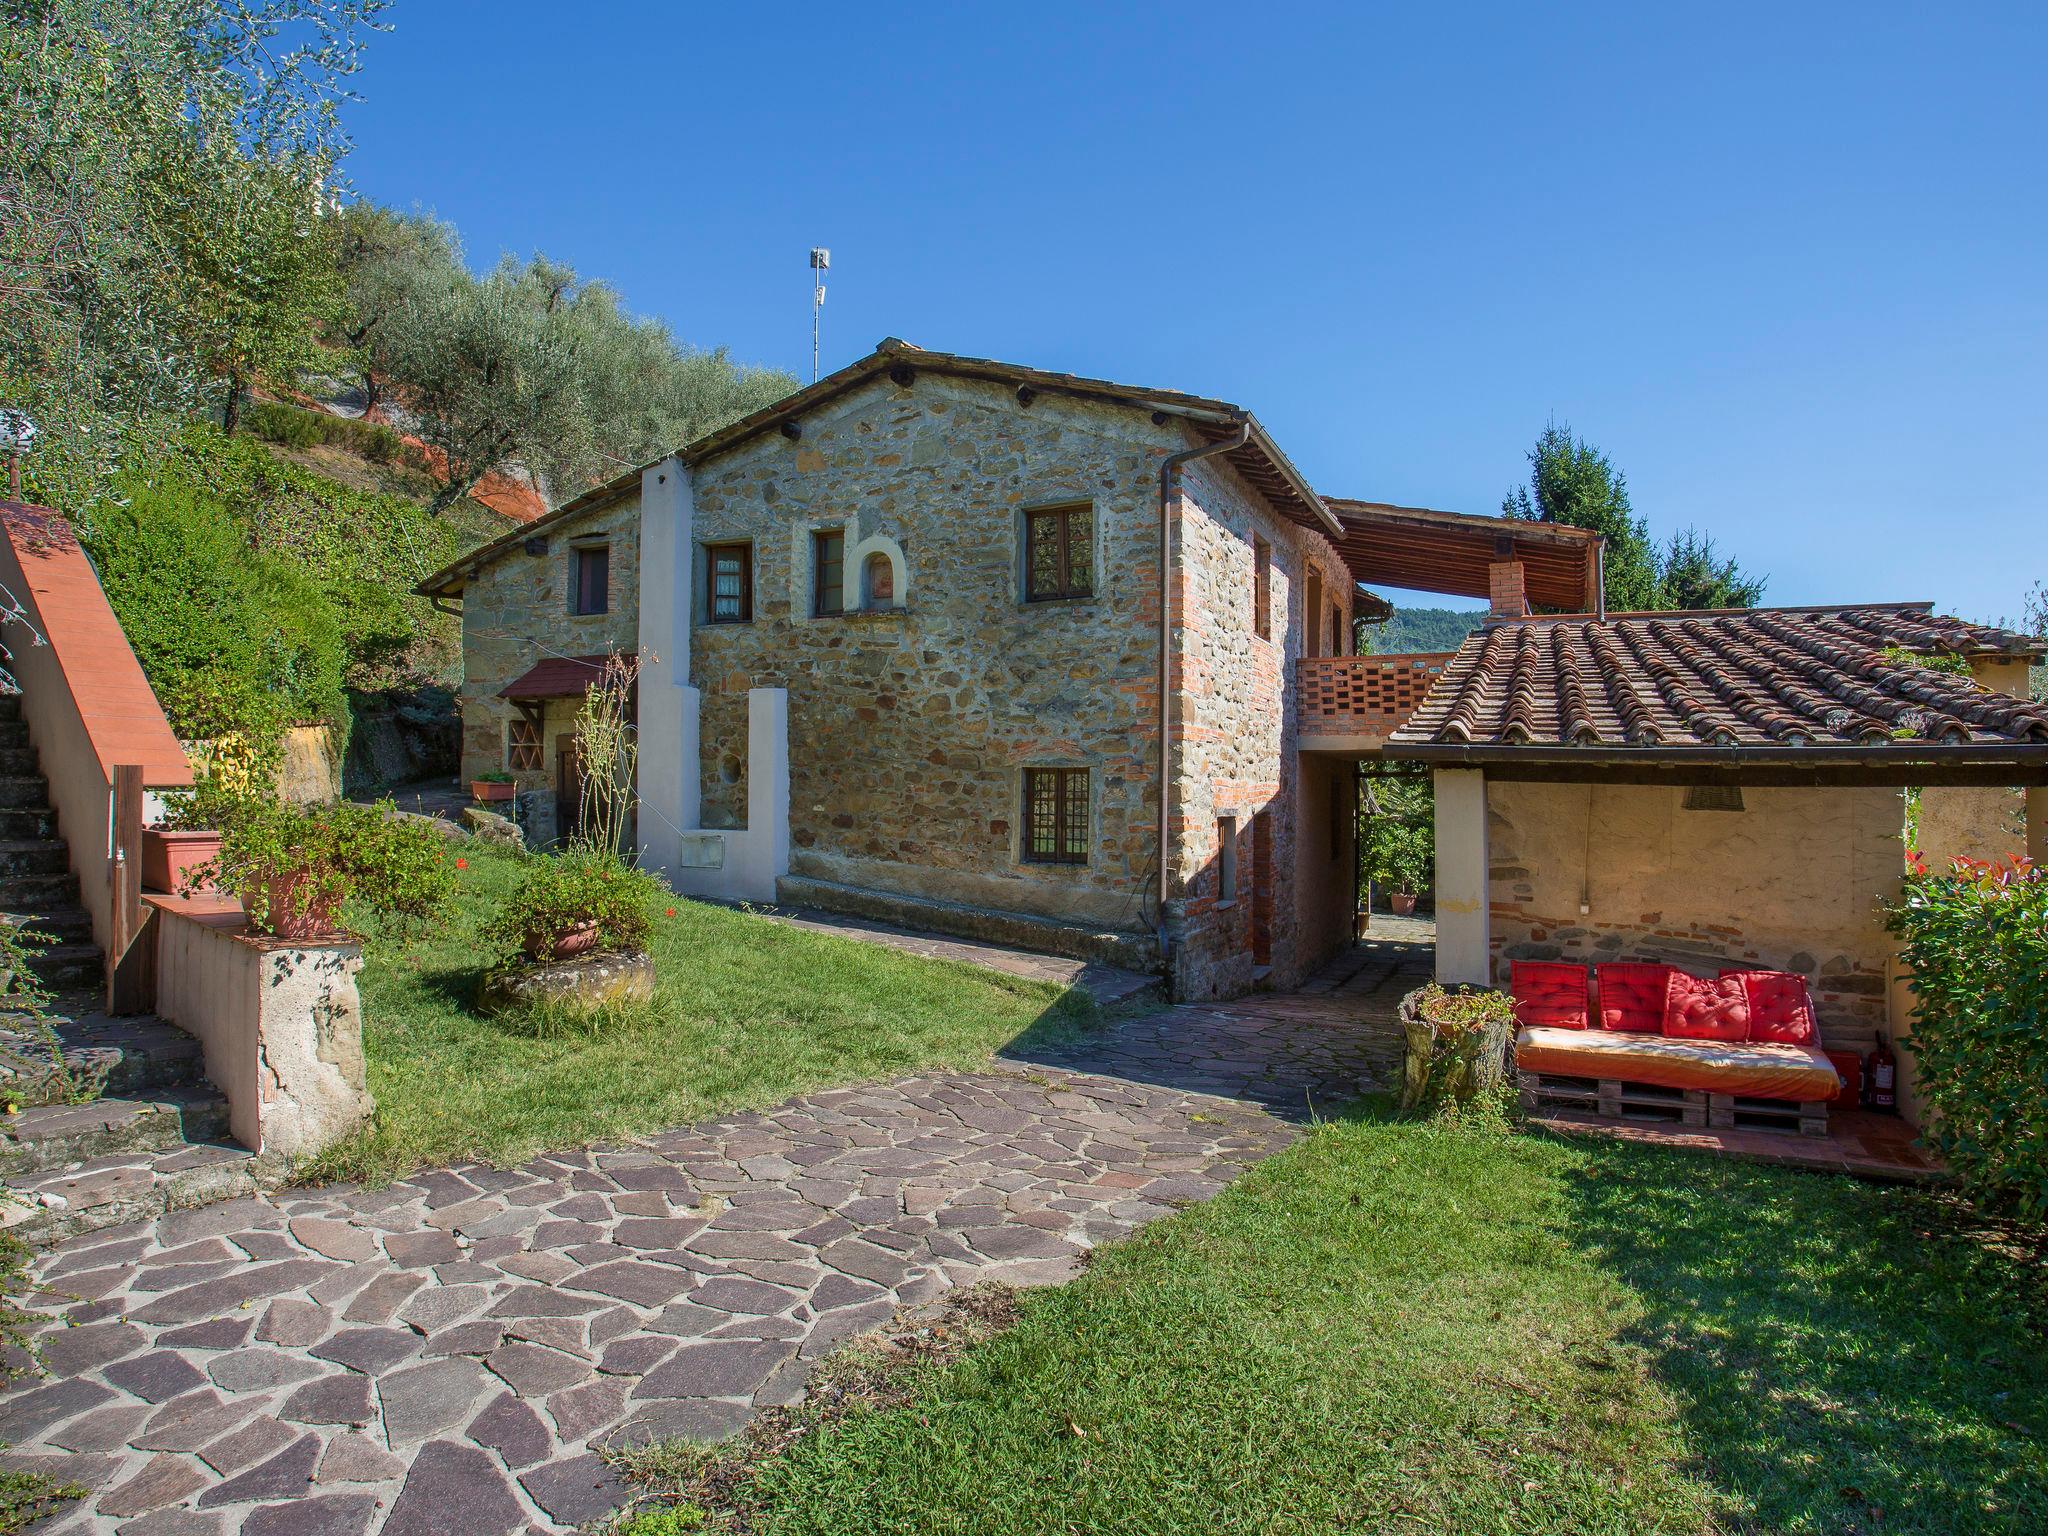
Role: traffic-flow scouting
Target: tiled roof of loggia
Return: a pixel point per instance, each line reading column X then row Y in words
column 1709, row 686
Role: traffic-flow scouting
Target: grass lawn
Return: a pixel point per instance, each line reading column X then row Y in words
column 746, row 1013
column 1405, row 1328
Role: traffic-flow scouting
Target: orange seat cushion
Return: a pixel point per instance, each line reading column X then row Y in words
column 1798, row 1074
column 1696, row 1008
column 1549, row 992
column 1780, row 1008
column 1632, row 997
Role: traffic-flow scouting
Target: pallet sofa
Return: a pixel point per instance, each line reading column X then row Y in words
column 1652, row 1042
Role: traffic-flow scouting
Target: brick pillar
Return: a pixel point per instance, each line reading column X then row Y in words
column 1505, row 590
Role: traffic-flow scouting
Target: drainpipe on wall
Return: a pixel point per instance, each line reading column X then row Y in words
column 1169, row 475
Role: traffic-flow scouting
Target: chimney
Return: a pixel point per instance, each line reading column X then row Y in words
column 1505, row 591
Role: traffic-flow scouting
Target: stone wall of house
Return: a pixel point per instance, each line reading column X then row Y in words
column 1235, row 760
column 515, row 612
column 1790, row 882
column 910, row 728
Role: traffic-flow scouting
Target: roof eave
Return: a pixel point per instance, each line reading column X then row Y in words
column 1985, row 754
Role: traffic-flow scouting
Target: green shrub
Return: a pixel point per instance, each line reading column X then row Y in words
column 217, row 554
column 194, row 597
column 560, row 893
column 296, row 427
column 1976, row 938
column 366, row 854
column 1398, row 846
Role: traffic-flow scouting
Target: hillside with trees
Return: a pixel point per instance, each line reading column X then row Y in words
column 1419, row 629
column 266, row 404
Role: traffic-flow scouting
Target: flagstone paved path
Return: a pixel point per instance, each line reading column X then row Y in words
column 442, row 1356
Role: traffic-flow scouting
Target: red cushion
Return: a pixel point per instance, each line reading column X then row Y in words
column 1780, row 1011
column 1632, row 997
column 1549, row 993
column 1698, row 1009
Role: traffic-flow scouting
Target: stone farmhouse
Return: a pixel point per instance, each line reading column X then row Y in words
column 1062, row 662
column 952, row 569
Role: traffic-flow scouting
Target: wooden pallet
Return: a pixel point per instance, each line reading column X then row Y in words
column 1613, row 1100
column 1729, row 1113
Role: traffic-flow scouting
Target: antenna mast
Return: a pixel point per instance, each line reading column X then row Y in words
column 821, row 262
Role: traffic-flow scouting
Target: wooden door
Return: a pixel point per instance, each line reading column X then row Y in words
column 568, row 788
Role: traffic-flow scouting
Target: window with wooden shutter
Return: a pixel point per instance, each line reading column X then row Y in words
column 1058, row 552
column 729, row 578
column 828, row 566
column 591, row 590
column 1055, row 815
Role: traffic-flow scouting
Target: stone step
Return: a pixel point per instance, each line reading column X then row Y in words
column 43, row 1209
column 57, row 1136
column 25, row 790
column 35, row 822
column 129, row 1057
column 33, row 856
column 59, row 924
column 18, row 759
column 38, row 894
column 70, row 967
column 10, row 706
column 13, row 733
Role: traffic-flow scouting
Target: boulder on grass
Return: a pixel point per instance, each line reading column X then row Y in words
column 490, row 827
column 583, row 984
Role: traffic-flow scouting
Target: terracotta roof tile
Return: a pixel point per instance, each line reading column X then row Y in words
column 1761, row 678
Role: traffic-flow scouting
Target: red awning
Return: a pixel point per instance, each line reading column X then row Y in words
column 558, row 677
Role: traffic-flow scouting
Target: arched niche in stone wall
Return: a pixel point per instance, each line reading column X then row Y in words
column 871, row 557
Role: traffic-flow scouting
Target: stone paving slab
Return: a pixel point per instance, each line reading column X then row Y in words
column 446, row 1354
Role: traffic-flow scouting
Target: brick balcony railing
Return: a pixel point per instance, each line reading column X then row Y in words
column 1354, row 696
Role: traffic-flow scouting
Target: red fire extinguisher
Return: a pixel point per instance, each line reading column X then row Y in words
column 1882, row 1073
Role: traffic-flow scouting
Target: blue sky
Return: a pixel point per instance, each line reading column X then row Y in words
column 1785, row 264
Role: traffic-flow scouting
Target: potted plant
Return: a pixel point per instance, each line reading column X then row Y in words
column 172, row 855
column 1403, row 857
column 294, row 869
column 1457, row 1044
column 489, row 787
column 576, row 903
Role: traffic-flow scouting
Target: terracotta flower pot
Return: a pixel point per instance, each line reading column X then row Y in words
column 578, row 940
column 492, row 789
column 1403, row 904
column 290, row 916
column 168, row 858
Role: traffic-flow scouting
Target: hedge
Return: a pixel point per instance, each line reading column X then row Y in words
column 1976, row 937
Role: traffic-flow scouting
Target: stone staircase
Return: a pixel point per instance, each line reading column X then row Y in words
column 155, row 1136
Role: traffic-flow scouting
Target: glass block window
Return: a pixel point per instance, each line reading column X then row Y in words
column 1058, row 557
column 1056, row 815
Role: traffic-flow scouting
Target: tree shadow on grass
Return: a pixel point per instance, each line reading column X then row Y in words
column 1848, row 1357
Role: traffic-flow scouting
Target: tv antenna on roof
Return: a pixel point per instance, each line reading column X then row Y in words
column 821, row 262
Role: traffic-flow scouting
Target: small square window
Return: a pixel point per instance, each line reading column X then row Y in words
column 522, row 747
column 1055, row 816
column 729, row 583
column 828, row 572
column 1058, row 558
column 590, row 591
